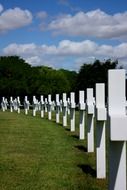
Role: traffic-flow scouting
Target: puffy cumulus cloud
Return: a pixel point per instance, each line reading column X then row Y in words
column 67, row 47
column 22, row 49
column 29, row 49
column 121, row 50
column 66, row 51
column 14, row 18
column 93, row 23
column 1, row 8
column 35, row 60
column 64, row 48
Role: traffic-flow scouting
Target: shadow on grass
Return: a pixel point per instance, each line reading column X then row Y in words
column 75, row 136
column 87, row 169
column 67, row 129
column 57, row 123
column 60, row 123
column 82, row 148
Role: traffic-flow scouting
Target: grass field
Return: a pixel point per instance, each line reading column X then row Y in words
column 37, row 154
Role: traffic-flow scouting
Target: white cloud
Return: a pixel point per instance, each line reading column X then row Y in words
column 42, row 14
column 94, row 23
column 19, row 49
column 65, row 51
column 64, row 48
column 1, row 8
column 35, row 60
column 14, row 18
column 121, row 50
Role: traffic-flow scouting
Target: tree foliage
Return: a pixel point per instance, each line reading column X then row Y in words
column 18, row 78
column 14, row 76
column 90, row 74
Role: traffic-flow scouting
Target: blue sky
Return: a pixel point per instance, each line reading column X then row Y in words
column 64, row 33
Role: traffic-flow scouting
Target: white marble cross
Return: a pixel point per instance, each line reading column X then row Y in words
column 101, row 117
column 6, row 103
column 34, row 105
column 64, row 109
column 3, row 104
column 46, row 105
column 61, row 106
column 90, row 120
column 11, row 104
column 68, row 106
column 42, row 106
column 18, row 104
column 82, row 107
column 117, row 129
column 57, row 108
column 72, row 110
column 49, row 107
column 26, row 105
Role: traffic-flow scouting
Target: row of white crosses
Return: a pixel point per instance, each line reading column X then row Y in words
column 116, row 123
column 117, row 127
column 14, row 104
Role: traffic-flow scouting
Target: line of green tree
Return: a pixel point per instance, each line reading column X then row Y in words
column 18, row 78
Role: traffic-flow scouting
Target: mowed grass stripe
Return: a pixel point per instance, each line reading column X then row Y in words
column 37, row 154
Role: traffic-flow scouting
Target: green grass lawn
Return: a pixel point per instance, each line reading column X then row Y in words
column 37, row 154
